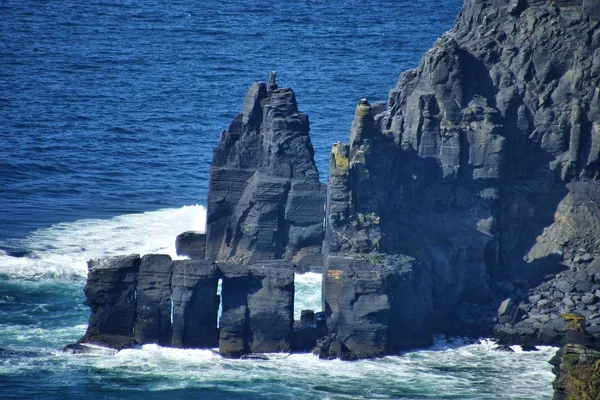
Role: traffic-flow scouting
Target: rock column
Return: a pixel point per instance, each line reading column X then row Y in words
column 153, row 310
column 110, row 294
column 195, row 304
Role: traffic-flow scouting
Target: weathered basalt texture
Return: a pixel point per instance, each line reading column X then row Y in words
column 470, row 199
column 233, row 325
column 191, row 244
column 153, row 298
column 175, row 303
column 110, row 294
column 571, row 242
column 374, row 306
column 195, row 304
column 471, row 158
column 271, row 307
column 258, row 308
column 265, row 200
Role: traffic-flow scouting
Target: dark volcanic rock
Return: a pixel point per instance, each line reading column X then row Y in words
column 233, row 325
column 191, row 244
column 265, row 200
column 478, row 182
column 483, row 167
column 110, row 294
column 572, row 241
column 78, row 348
column 270, row 307
column 509, row 312
column 257, row 312
column 153, row 314
column 195, row 304
column 307, row 331
column 374, row 306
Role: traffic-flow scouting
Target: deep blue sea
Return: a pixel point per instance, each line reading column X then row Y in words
column 109, row 111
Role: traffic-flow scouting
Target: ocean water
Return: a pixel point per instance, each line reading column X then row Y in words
column 109, row 111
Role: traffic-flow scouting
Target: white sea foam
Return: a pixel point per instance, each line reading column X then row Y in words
column 443, row 371
column 61, row 251
column 307, row 293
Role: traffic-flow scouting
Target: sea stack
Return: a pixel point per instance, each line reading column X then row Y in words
column 265, row 201
column 468, row 204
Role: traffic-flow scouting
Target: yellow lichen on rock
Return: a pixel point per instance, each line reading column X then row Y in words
column 574, row 321
column 366, row 220
column 363, row 108
column 582, row 377
column 339, row 157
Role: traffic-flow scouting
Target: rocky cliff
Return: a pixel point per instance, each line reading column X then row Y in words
column 483, row 167
column 467, row 204
column 265, row 200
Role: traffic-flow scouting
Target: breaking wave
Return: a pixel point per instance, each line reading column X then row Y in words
column 62, row 250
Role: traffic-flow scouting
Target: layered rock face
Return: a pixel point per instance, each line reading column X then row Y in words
column 258, row 313
column 265, row 221
column 195, row 304
column 472, row 158
column 175, row 303
column 471, row 199
column 265, row 200
column 153, row 305
column 110, row 294
column 374, row 306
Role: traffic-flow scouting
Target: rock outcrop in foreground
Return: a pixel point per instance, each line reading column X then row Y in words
column 154, row 299
column 265, row 210
column 577, row 364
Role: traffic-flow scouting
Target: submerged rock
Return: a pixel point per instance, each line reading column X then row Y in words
column 87, row 349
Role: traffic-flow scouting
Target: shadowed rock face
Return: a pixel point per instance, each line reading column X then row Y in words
column 195, row 304
column 571, row 240
column 374, row 306
column 257, row 314
column 265, row 200
column 175, row 303
column 110, row 294
column 153, row 300
column 471, row 158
